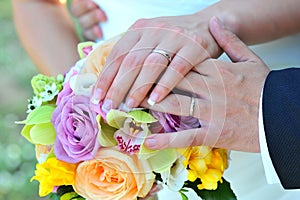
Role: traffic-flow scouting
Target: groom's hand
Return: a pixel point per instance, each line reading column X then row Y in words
column 227, row 102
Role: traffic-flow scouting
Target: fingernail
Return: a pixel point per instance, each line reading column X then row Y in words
column 124, row 107
column 151, row 143
column 152, row 99
column 131, row 103
column 107, row 105
column 97, row 96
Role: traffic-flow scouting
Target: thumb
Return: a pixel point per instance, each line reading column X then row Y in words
column 236, row 50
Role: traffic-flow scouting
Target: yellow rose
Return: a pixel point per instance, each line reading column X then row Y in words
column 97, row 58
column 113, row 175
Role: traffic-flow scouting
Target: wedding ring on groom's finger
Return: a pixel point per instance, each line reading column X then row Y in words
column 192, row 107
column 163, row 53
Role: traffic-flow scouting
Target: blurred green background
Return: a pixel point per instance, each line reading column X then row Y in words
column 17, row 157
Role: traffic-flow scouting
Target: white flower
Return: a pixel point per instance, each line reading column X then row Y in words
column 34, row 103
column 50, row 92
column 82, row 84
column 74, row 70
column 175, row 177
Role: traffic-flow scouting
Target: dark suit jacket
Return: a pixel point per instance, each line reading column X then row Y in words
column 281, row 115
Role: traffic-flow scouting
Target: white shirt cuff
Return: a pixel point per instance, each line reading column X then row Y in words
column 270, row 172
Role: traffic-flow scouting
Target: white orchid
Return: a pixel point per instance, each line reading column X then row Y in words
column 175, row 177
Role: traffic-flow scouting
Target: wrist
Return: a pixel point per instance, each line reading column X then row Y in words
column 229, row 17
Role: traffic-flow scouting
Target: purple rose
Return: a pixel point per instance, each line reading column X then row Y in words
column 173, row 123
column 76, row 128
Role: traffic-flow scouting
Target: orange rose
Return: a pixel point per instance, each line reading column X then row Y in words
column 113, row 175
column 96, row 59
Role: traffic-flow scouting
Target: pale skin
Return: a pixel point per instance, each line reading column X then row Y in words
column 47, row 34
column 89, row 15
column 46, row 31
column 227, row 102
column 131, row 69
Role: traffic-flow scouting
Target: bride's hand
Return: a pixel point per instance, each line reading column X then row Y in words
column 89, row 15
column 227, row 99
column 132, row 67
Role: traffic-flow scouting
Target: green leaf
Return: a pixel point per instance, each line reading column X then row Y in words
column 223, row 192
column 142, row 116
column 70, row 196
column 65, row 193
column 40, row 115
column 183, row 196
column 43, row 134
column 106, row 133
column 116, row 118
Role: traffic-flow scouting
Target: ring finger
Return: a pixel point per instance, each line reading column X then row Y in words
column 155, row 63
column 184, row 60
column 182, row 105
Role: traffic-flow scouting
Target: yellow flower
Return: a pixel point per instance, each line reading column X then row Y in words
column 207, row 164
column 53, row 173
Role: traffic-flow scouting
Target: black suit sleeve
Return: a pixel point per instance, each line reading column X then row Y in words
column 281, row 115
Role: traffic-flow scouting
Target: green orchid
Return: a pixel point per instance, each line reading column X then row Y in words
column 128, row 131
column 38, row 128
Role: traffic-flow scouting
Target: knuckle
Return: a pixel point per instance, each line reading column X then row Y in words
column 153, row 59
column 196, row 38
column 180, row 66
column 131, row 62
column 140, row 23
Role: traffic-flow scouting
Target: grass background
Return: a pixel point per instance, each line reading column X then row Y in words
column 17, row 158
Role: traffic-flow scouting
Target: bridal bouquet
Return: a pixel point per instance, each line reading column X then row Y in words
column 84, row 153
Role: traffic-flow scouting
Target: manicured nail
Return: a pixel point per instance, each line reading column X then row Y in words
column 153, row 99
column 107, row 105
column 124, row 107
column 97, row 96
column 151, row 143
column 131, row 103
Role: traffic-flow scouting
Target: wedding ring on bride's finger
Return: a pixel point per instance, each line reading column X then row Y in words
column 192, row 107
column 163, row 53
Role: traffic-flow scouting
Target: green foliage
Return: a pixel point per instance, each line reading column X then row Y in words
column 65, row 193
column 223, row 192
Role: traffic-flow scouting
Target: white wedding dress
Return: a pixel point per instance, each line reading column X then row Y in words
column 245, row 173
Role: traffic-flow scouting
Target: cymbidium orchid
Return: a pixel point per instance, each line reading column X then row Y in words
column 128, row 131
